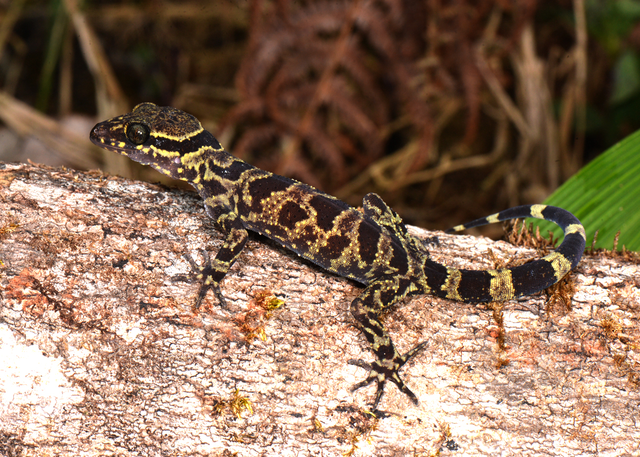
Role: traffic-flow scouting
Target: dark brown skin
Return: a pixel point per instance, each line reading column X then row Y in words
column 371, row 247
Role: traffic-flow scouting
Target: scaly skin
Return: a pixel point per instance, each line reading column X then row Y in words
column 371, row 247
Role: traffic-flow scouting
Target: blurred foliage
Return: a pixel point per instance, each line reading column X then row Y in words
column 450, row 110
column 610, row 23
column 615, row 27
column 605, row 196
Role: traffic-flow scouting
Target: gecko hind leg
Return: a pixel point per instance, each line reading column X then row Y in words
column 382, row 371
column 366, row 308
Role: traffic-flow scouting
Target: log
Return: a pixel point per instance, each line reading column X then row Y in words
column 103, row 352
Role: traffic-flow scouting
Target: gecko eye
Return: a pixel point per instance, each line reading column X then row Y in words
column 138, row 133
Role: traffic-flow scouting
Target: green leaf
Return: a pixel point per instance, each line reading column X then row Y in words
column 627, row 77
column 605, row 196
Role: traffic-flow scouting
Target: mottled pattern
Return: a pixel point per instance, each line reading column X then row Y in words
column 371, row 247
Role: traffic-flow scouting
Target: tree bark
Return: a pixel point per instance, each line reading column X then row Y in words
column 103, row 353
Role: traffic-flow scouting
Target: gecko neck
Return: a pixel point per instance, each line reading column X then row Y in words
column 216, row 172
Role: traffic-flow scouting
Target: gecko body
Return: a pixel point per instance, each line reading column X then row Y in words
column 371, row 247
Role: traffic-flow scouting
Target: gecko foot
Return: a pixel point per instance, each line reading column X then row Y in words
column 205, row 274
column 385, row 370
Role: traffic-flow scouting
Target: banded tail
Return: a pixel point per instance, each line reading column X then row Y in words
column 529, row 278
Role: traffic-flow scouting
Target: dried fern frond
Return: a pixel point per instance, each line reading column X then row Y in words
column 345, row 85
column 314, row 75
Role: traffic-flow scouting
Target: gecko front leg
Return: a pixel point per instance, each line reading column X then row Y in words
column 213, row 271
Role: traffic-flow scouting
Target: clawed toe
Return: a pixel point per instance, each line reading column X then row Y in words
column 205, row 275
column 204, row 288
column 199, row 270
column 382, row 371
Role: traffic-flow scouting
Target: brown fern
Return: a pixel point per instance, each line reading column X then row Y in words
column 314, row 77
column 338, row 84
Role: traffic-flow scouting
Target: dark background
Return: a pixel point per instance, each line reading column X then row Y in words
column 450, row 110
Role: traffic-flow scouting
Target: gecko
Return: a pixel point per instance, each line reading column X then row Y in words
column 370, row 246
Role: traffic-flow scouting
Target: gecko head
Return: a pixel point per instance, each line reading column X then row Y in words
column 171, row 141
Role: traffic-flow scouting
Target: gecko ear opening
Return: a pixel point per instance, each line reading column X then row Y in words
column 138, row 133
